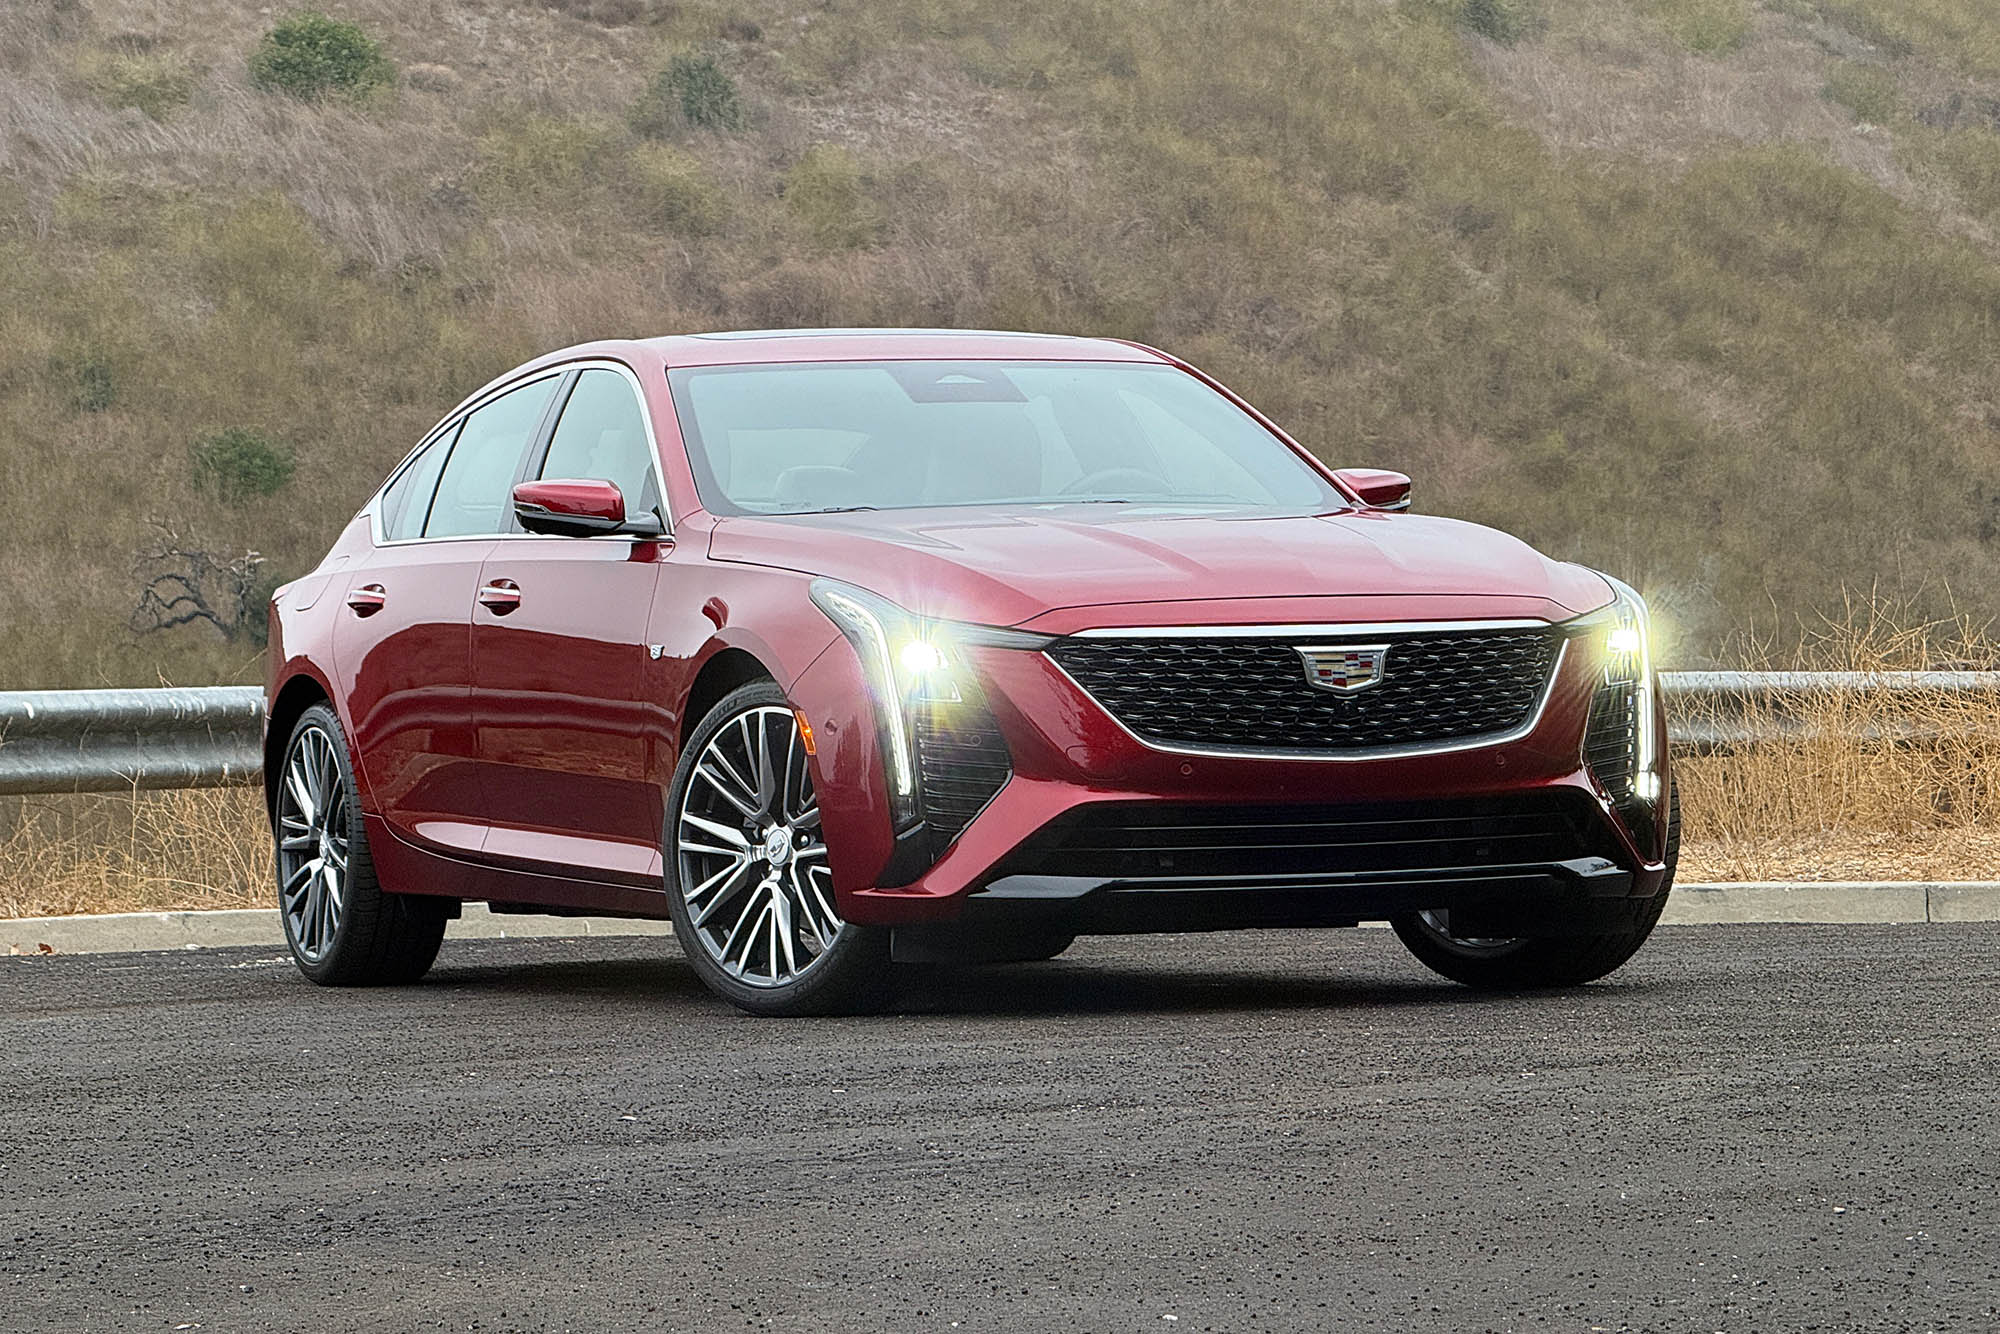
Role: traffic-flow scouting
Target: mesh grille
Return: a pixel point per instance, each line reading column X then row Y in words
column 962, row 761
column 1253, row 694
column 1610, row 738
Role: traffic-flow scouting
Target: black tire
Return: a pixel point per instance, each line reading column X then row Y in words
column 850, row 975
column 1542, row 962
column 372, row 937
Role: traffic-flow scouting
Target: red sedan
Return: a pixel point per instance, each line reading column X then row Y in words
column 849, row 648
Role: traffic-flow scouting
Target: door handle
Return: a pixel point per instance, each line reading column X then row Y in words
column 500, row 597
column 367, row 599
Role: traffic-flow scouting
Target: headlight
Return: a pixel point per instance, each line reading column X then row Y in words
column 1628, row 660
column 909, row 662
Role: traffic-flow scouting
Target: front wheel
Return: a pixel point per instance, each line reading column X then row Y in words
column 1520, row 963
column 344, row 929
column 747, row 880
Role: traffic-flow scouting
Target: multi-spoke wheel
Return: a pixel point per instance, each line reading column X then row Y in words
column 312, row 843
column 344, row 929
column 747, row 877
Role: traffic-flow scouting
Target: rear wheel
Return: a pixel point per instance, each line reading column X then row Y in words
column 344, row 929
column 747, row 879
column 1514, row 963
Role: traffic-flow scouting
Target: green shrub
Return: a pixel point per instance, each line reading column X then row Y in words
column 825, row 190
column 693, row 90
column 1504, row 21
column 674, row 192
column 96, row 390
column 1711, row 27
column 237, row 465
column 1870, row 94
column 311, row 56
column 544, row 161
column 155, row 84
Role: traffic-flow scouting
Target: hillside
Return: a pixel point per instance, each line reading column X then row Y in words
column 1703, row 292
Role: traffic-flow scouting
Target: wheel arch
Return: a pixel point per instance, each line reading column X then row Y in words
column 293, row 698
column 727, row 669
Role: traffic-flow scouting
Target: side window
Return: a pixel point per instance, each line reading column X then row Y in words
column 407, row 502
column 601, row 436
column 472, row 495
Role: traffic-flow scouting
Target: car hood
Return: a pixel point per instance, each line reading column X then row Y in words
column 1009, row 567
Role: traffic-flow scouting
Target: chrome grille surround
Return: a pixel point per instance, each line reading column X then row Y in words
column 1241, row 691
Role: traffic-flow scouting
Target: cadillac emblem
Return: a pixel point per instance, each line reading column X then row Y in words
column 1345, row 668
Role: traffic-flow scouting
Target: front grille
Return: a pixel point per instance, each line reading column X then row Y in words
column 1611, row 738
column 1170, row 840
column 1253, row 693
column 962, row 762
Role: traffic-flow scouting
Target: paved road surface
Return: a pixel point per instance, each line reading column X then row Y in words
column 1751, row 1129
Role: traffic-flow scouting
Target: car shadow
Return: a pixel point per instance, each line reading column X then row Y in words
column 1082, row 988
column 1063, row 986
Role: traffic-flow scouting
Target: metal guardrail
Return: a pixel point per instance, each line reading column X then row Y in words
column 118, row 740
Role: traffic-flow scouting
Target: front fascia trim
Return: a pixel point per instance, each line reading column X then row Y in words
column 1357, row 755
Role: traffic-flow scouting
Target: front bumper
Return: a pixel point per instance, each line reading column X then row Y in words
column 1072, row 761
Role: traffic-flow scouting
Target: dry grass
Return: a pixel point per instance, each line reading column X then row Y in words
column 135, row 852
column 1873, row 787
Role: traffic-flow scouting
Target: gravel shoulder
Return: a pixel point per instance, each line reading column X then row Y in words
column 1748, row 1128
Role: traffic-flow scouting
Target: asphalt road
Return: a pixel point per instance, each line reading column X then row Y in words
column 1750, row 1128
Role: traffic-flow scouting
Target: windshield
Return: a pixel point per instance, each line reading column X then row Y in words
column 806, row 438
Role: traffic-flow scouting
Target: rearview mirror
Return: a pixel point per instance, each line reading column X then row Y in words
column 1378, row 488
column 578, row 508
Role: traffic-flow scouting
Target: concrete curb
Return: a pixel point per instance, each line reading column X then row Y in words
column 1691, row 905
column 1834, row 901
column 114, row 933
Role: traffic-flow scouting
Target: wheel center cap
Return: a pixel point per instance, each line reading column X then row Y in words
column 778, row 846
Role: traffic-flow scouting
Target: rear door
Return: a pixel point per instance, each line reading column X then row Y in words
column 404, row 639
column 564, row 727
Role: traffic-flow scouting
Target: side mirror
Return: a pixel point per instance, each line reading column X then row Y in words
column 572, row 508
column 1378, row 488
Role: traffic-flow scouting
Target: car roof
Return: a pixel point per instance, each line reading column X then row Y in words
column 769, row 345
column 762, row 346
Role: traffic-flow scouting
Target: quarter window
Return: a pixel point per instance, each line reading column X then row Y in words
column 601, row 436
column 478, row 480
column 407, row 502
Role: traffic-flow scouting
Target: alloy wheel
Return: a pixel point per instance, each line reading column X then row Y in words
column 751, row 862
column 313, row 849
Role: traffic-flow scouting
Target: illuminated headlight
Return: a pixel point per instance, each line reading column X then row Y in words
column 1628, row 659
column 908, row 662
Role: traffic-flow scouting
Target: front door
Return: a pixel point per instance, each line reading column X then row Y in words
column 563, row 724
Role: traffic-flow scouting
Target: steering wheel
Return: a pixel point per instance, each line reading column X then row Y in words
column 1120, row 479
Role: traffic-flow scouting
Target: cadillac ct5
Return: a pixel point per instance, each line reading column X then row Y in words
column 845, row 649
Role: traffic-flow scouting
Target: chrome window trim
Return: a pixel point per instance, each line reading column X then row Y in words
column 1354, row 756
column 373, row 509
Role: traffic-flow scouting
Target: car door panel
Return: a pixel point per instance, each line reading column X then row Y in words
column 561, row 712
column 563, row 729
column 407, row 669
